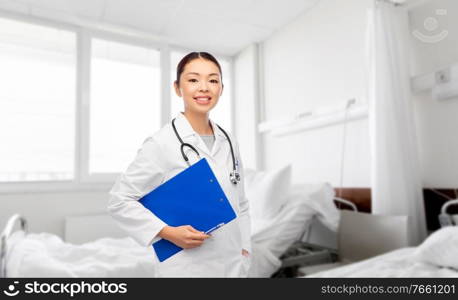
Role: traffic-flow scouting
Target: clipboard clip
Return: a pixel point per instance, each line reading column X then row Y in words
column 214, row 228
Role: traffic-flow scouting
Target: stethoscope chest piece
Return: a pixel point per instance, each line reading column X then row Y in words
column 234, row 176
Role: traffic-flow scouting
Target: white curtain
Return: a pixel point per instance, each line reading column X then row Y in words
column 395, row 171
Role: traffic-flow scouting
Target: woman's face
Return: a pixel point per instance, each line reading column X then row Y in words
column 200, row 86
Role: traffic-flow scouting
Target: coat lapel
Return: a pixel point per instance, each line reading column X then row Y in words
column 220, row 138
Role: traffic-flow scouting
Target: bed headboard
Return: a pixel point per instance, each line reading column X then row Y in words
column 433, row 201
column 86, row 228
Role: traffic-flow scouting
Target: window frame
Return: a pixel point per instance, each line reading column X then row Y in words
column 82, row 162
column 42, row 185
column 83, row 181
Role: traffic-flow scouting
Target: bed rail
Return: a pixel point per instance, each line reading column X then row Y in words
column 6, row 233
column 346, row 202
column 306, row 234
column 446, row 219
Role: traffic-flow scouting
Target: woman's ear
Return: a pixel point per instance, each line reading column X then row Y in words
column 222, row 89
column 177, row 89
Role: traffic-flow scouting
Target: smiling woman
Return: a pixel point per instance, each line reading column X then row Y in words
column 223, row 110
column 224, row 253
column 199, row 83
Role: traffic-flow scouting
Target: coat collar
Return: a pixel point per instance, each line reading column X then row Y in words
column 188, row 135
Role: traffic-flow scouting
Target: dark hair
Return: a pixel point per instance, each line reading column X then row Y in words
column 194, row 55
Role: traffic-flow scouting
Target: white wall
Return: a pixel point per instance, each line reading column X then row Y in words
column 245, row 105
column 319, row 60
column 437, row 120
column 46, row 212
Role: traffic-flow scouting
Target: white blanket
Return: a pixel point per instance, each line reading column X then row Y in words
column 398, row 263
column 46, row 255
column 272, row 237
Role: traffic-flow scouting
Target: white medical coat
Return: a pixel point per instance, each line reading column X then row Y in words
column 158, row 160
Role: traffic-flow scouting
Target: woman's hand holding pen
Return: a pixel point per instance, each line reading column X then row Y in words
column 184, row 236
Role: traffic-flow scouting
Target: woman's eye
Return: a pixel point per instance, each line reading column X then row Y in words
column 192, row 80
column 214, row 81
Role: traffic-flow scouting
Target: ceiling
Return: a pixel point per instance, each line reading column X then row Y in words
column 224, row 26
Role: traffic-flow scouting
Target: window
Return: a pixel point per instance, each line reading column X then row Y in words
column 73, row 115
column 37, row 102
column 124, row 103
column 221, row 114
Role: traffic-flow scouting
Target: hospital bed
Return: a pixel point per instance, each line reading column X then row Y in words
column 434, row 257
column 318, row 246
column 27, row 254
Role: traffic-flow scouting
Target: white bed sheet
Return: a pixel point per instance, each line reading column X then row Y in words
column 272, row 237
column 398, row 263
column 275, row 236
column 46, row 255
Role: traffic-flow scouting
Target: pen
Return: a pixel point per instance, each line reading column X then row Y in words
column 214, row 228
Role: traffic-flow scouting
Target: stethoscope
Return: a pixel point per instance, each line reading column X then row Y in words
column 234, row 176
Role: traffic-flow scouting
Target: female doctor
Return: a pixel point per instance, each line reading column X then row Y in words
column 224, row 253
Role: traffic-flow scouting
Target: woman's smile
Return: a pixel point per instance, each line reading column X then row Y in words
column 204, row 100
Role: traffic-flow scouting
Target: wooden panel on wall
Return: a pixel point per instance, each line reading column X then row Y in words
column 361, row 197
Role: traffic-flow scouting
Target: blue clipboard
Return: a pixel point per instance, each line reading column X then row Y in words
column 193, row 197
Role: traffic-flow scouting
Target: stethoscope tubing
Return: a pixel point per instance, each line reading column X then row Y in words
column 185, row 157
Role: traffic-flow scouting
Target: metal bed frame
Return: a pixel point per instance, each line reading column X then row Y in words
column 346, row 202
column 6, row 233
column 306, row 254
column 302, row 253
column 446, row 219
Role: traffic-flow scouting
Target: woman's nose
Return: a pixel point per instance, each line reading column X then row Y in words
column 203, row 86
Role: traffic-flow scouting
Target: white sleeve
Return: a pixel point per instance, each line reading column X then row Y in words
column 142, row 176
column 244, row 216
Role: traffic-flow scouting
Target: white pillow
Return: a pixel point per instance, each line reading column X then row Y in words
column 267, row 191
column 440, row 248
column 320, row 197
